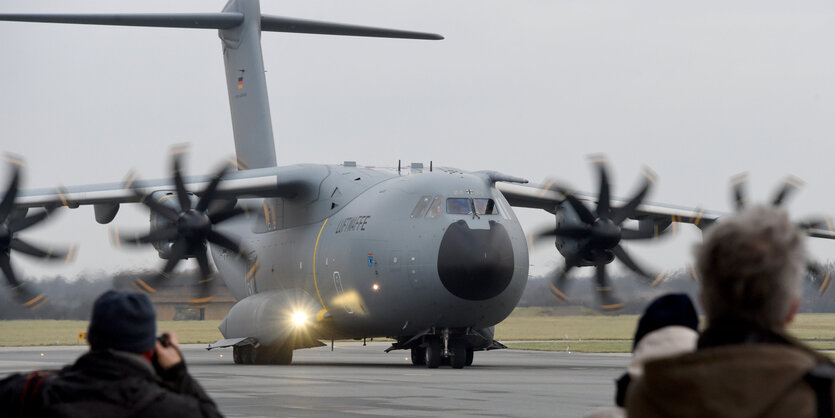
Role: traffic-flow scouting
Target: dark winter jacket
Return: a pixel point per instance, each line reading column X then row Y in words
column 107, row 383
column 736, row 372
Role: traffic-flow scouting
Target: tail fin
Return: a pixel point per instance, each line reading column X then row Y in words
column 240, row 25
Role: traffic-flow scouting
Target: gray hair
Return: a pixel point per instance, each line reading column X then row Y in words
column 750, row 267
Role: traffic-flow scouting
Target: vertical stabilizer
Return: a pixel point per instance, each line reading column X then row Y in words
column 247, row 87
column 240, row 25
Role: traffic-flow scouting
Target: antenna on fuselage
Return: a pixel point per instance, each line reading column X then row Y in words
column 239, row 25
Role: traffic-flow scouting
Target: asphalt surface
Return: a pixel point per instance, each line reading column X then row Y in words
column 357, row 381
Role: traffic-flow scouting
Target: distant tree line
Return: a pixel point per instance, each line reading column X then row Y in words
column 636, row 293
column 73, row 298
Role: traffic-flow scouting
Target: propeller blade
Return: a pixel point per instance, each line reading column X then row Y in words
column 559, row 278
column 156, row 207
column 178, row 251
column 821, row 277
column 635, row 234
column 6, row 267
column 816, row 223
column 30, row 220
column 204, row 297
column 182, row 193
column 203, row 263
column 559, row 286
column 624, row 258
column 582, row 211
column 608, row 302
column 51, row 254
column 628, row 209
column 603, row 200
column 738, row 189
column 207, row 277
column 154, row 236
column 209, row 193
column 219, row 217
column 22, row 292
column 225, row 242
column 7, row 204
column 790, row 185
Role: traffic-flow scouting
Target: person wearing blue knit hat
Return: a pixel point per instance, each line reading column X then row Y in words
column 127, row 372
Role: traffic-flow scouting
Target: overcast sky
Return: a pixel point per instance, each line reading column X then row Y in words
column 699, row 91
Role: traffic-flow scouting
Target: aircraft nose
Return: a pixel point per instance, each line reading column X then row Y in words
column 475, row 264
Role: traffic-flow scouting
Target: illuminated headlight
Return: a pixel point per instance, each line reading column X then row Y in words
column 299, row 319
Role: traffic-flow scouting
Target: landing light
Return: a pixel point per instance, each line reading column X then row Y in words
column 299, row 319
column 375, row 287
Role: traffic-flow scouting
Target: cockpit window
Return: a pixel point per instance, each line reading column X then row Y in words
column 458, row 205
column 421, row 206
column 435, row 208
column 485, row 207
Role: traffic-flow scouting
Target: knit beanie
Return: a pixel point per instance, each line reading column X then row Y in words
column 667, row 310
column 123, row 321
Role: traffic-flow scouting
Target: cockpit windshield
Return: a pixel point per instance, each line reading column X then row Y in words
column 458, row 206
column 485, row 206
column 432, row 206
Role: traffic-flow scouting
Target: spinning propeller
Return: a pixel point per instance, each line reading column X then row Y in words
column 11, row 223
column 189, row 228
column 820, row 276
column 599, row 238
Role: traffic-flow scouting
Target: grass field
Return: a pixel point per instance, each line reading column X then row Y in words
column 48, row 332
column 528, row 328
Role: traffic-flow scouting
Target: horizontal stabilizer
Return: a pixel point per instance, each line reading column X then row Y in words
column 286, row 24
column 224, row 20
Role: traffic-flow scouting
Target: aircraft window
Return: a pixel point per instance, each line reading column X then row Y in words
column 458, row 205
column 485, row 207
column 421, row 206
column 434, row 208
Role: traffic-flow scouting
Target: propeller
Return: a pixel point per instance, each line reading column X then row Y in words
column 599, row 237
column 190, row 227
column 11, row 223
column 820, row 276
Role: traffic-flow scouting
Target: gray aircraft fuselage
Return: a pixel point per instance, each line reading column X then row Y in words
column 379, row 261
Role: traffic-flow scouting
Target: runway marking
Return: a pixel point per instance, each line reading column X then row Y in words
column 417, row 374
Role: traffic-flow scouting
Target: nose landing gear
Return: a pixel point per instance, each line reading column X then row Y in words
column 444, row 349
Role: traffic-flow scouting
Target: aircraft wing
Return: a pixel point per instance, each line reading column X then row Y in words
column 288, row 182
column 661, row 215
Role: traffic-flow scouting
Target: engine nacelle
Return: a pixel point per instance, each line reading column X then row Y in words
column 279, row 318
column 566, row 217
column 167, row 198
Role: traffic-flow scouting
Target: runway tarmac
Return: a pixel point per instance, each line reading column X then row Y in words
column 357, row 381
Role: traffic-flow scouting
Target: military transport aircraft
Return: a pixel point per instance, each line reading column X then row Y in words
column 431, row 257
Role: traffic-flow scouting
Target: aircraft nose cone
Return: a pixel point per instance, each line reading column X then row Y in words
column 475, row 264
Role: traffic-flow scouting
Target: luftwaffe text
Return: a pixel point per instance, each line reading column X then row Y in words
column 354, row 223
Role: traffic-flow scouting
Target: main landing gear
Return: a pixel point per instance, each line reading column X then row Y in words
column 262, row 354
column 442, row 349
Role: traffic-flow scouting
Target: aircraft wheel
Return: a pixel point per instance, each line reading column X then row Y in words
column 469, row 361
column 282, row 356
column 458, row 353
column 432, row 353
column 418, row 356
column 245, row 354
column 236, row 355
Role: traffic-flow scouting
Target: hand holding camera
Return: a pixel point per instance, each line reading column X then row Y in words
column 168, row 351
